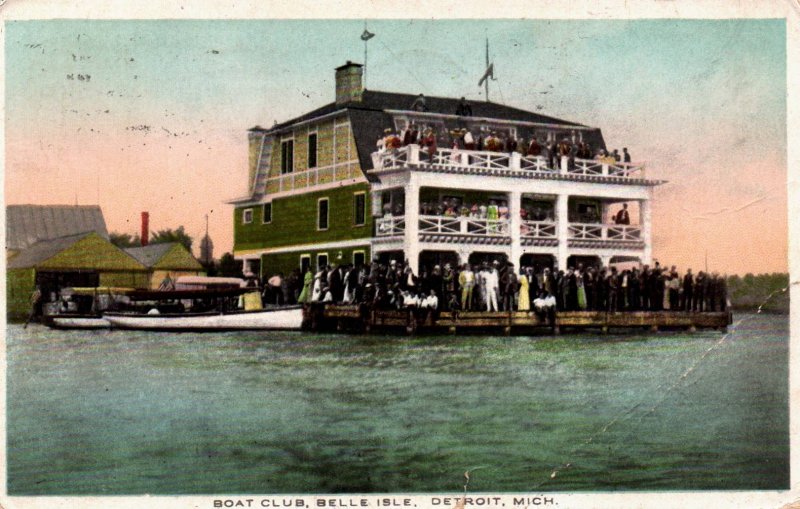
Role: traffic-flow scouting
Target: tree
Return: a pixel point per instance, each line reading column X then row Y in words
column 229, row 267
column 123, row 240
column 170, row 235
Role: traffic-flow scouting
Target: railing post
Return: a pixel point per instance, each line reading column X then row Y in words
column 463, row 224
column 605, row 169
column 413, row 153
column 564, row 165
column 377, row 163
column 514, row 162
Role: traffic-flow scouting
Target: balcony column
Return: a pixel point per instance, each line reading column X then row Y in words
column 645, row 216
column 413, row 154
column 515, row 225
column 562, row 230
column 605, row 260
column 515, row 161
column 411, row 237
column 377, row 206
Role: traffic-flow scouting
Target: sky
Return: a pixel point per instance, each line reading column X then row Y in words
column 153, row 114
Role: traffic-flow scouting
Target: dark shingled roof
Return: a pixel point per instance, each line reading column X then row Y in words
column 368, row 117
column 149, row 255
column 43, row 250
column 28, row 224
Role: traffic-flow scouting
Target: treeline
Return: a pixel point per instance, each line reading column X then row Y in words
column 765, row 290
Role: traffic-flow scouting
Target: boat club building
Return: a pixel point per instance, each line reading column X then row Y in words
column 322, row 190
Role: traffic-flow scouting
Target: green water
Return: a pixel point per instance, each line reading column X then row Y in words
column 129, row 413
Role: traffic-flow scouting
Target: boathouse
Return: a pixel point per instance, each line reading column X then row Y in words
column 321, row 192
column 83, row 260
column 160, row 260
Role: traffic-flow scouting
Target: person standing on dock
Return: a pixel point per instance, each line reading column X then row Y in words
column 688, row 287
column 492, row 286
column 509, row 287
column 466, row 280
column 448, row 285
column 524, row 301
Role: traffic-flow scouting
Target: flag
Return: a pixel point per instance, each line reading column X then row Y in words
column 488, row 74
column 367, row 35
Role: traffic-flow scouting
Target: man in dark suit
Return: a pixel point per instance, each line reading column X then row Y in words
column 626, row 157
column 688, row 289
column 464, row 109
column 623, row 217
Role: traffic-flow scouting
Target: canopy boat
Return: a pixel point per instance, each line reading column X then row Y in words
column 82, row 308
column 209, row 309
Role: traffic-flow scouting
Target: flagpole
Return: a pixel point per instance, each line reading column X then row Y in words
column 366, row 36
column 486, row 83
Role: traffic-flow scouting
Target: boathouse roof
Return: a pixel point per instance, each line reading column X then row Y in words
column 167, row 256
column 83, row 251
column 28, row 224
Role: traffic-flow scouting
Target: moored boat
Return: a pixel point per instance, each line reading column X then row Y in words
column 279, row 318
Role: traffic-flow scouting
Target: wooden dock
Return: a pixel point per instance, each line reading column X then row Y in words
column 361, row 318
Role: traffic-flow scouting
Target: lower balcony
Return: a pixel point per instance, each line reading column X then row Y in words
column 468, row 230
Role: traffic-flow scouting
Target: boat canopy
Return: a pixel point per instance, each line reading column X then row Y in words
column 208, row 282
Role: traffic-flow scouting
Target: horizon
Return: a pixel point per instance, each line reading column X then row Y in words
column 98, row 111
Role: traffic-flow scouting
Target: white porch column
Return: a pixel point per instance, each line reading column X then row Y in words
column 645, row 216
column 411, row 237
column 562, row 229
column 515, row 225
column 605, row 260
column 413, row 154
column 604, row 217
column 377, row 208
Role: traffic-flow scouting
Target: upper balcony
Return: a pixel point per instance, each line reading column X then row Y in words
column 512, row 164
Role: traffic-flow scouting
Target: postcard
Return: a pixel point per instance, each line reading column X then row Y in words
column 386, row 255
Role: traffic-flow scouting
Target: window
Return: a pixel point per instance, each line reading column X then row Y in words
column 312, row 150
column 358, row 258
column 305, row 263
column 360, row 209
column 266, row 216
column 322, row 261
column 287, row 156
column 322, row 214
column 247, row 216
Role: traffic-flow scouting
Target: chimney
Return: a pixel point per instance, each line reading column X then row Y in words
column 145, row 228
column 348, row 83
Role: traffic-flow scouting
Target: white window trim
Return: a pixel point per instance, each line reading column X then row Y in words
column 327, row 259
column 244, row 216
column 308, row 152
column 305, row 255
column 327, row 218
column 356, row 225
column 284, row 140
column 271, row 211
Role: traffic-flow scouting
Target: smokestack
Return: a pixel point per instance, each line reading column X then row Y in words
column 348, row 83
column 145, row 228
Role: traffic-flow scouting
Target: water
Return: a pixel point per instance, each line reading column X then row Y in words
column 130, row 413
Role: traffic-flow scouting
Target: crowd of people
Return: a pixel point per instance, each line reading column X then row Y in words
column 493, row 209
column 499, row 286
column 484, row 138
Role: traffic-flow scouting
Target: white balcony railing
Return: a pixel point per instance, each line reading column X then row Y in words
column 463, row 226
column 494, row 162
column 594, row 231
column 390, row 226
column 538, row 230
